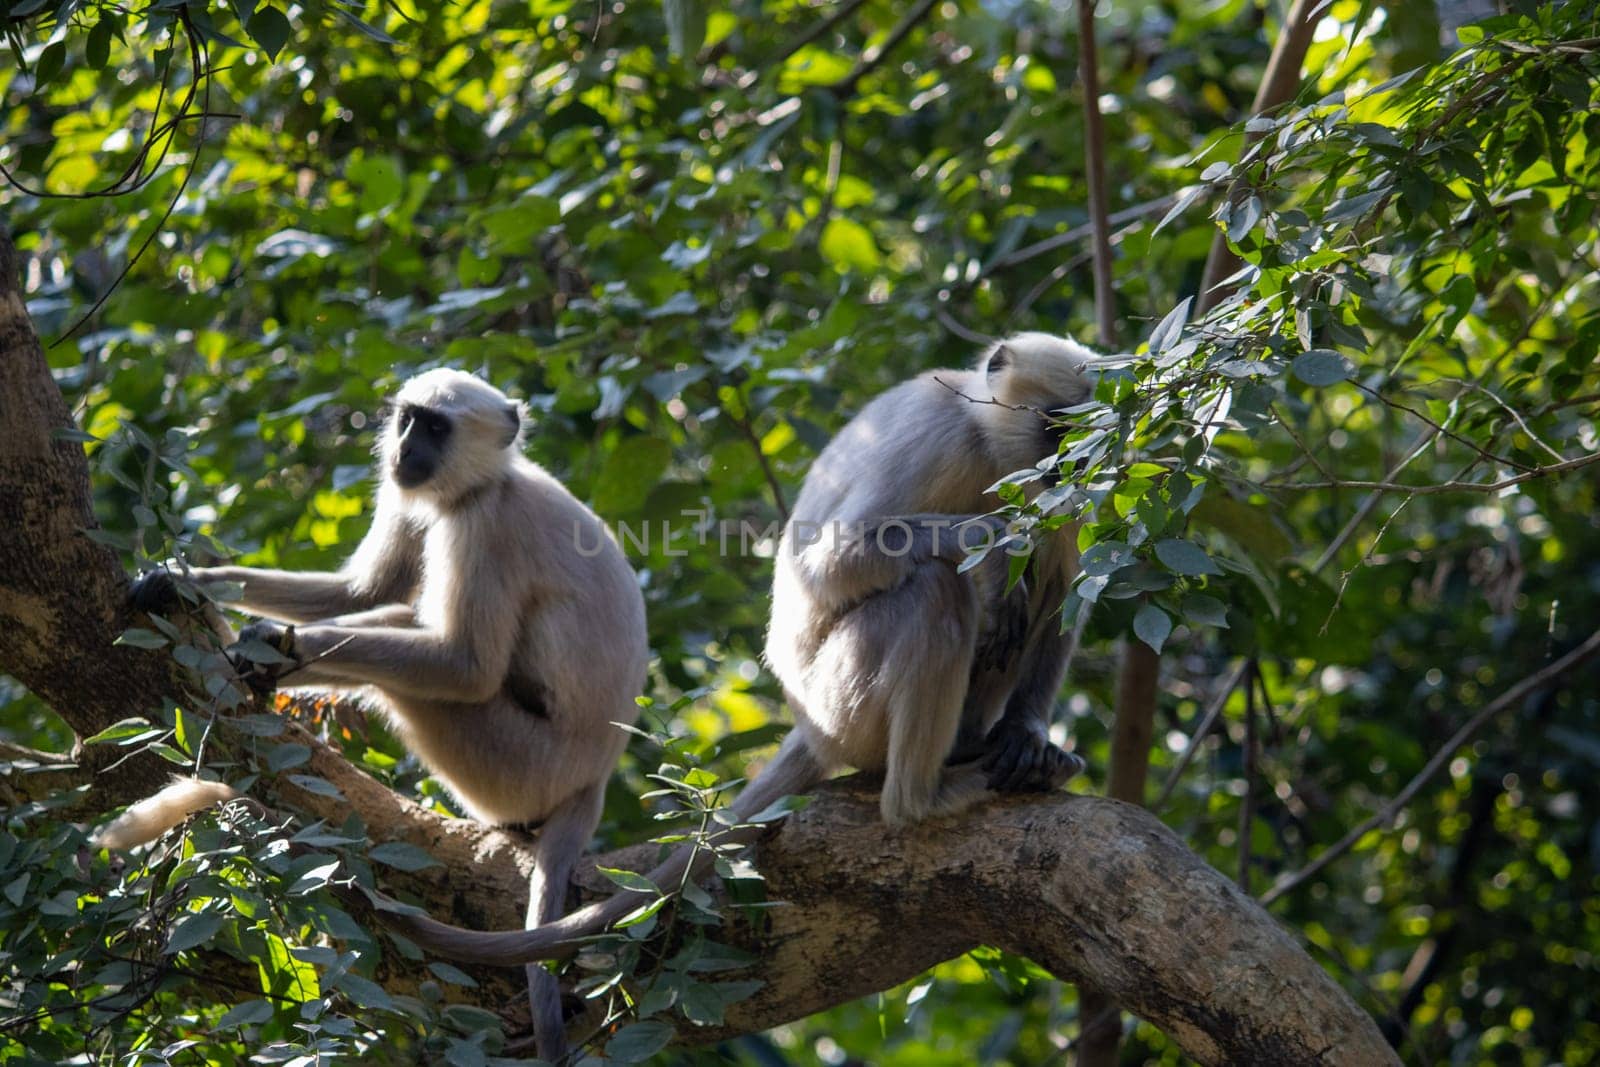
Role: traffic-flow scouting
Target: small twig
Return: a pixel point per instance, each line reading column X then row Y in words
column 743, row 422
column 1385, row 815
column 1193, row 747
column 1509, row 410
column 966, row 333
column 1444, row 487
column 819, row 29
column 876, row 54
column 1247, row 810
column 1076, row 234
column 1442, row 430
column 200, row 62
column 1283, row 421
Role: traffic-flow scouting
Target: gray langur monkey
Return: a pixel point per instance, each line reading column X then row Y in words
column 491, row 616
column 891, row 658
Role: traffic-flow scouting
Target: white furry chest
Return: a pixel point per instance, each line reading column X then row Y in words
column 439, row 573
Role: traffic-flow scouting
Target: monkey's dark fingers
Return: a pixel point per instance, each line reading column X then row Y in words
column 1062, row 767
column 1024, row 775
column 1009, row 760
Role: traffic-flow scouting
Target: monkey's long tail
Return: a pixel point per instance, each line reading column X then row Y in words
column 792, row 770
column 147, row 820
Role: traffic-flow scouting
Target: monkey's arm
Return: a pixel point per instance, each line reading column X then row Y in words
column 401, row 615
column 424, row 664
column 850, row 560
column 385, row 569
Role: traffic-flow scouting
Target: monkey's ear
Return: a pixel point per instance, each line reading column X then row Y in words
column 999, row 360
column 514, row 418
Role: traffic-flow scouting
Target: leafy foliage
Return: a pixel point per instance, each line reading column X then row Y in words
column 697, row 239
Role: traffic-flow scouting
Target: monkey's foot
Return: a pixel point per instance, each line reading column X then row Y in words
column 1021, row 759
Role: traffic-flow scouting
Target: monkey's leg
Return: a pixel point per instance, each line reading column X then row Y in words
column 562, row 839
column 927, row 629
column 1018, row 754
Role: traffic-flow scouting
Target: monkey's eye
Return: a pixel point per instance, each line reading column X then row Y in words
column 437, row 425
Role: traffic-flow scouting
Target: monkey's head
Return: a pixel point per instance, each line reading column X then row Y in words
column 1030, row 374
column 449, row 433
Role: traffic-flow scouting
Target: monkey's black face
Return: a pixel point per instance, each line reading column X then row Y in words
column 420, row 438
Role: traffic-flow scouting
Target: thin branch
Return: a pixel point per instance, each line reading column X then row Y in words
column 1247, row 807
column 876, row 54
column 1444, row 487
column 1077, row 233
column 1094, row 149
column 1509, row 410
column 1384, row 816
column 1288, row 428
column 960, row 329
column 819, row 29
column 1200, row 732
column 1279, row 83
column 743, row 422
column 200, row 62
column 1442, row 430
column 1370, row 504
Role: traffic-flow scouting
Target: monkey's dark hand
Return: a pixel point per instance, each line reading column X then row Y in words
column 155, row 593
column 264, row 652
column 1020, row 759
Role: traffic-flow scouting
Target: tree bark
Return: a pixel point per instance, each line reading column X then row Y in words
column 1094, row 890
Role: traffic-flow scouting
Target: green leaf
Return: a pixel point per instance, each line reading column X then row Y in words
column 270, row 29
column 50, row 62
column 250, row 1013
column 1152, row 625
column 1167, row 332
column 632, row 469
column 121, row 731
column 1208, row 610
column 192, row 930
column 320, row 786
column 629, row 880
column 364, row 992
column 848, row 246
column 1185, row 557
column 639, row 1041
column 454, row 975
column 1322, row 366
column 140, row 638
column 314, row 879
column 97, row 49
column 402, row 856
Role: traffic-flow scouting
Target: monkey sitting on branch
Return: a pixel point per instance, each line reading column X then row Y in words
column 893, row 657
column 505, row 647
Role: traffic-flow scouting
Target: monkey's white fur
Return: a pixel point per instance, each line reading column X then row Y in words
column 876, row 651
column 492, row 618
column 873, row 650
